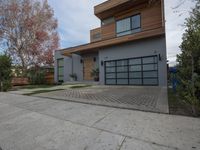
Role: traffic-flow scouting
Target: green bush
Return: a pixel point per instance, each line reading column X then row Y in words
column 37, row 76
column 188, row 62
column 6, row 85
column 5, row 72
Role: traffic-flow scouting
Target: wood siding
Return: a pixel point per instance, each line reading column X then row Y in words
column 88, row 66
column 94, row 35
column 151, row 18
column 151, row 15
column 108, row 5
column 152, row 24
column 112, row 7
column 132, row 37
column 108, row 31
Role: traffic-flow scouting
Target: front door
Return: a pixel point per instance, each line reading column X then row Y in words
column 88, row 66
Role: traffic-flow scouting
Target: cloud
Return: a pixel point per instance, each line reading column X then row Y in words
column 175, row 19
column 76, row 19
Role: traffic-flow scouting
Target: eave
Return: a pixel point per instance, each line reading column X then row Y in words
column 92, row 47
column 111, row 7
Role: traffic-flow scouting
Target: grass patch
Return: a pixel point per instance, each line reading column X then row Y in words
column 176, row 105
column 173, row 98
column 41, row 91
column 29, row 87
column 79, row 86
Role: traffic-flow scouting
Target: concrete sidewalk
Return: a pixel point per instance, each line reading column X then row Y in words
column 30, row 123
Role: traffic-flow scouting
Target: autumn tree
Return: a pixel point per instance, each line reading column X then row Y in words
column 189, row 61
column 28, row 32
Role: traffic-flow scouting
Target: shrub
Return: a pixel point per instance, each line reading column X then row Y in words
column 36, row 76
column 5, row 72
column 73, row 76
column 95, row 74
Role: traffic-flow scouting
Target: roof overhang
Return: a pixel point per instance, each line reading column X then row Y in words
column 95, row 46
column 111, row 7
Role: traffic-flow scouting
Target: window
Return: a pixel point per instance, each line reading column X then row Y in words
column 136, row 23
column 129, row 25
column 60, row 64
column 124, row 26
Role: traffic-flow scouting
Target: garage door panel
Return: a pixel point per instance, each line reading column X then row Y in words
column 122, row 81
column 111, row 81
column 137, row 61
column 122, row 75
column 150, row 74
column 135, row 68
column 122, row 69
column 149, row 60
column 122, row 62
column 150, row 67
column 135, row 75
column 150, row 81
column 110, row 64
column 110, row 75
column 135, row 81
column 110, row 69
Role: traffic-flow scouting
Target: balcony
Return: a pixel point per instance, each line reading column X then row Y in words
column 95, row 35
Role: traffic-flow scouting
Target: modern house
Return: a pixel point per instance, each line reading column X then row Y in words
column 129, row 48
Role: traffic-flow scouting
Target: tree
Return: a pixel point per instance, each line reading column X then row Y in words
column 189, row 61
column 5, row 72
column 28, row 31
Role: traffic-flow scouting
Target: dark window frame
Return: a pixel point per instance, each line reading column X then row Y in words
column 59, row 67
column 131, row 25
column 128, row 71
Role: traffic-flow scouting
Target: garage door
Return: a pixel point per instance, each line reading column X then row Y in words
column 132, row 71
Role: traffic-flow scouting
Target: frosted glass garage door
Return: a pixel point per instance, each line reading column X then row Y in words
column 132, row 71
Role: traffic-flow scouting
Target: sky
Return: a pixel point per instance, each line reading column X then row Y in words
column 76, row 18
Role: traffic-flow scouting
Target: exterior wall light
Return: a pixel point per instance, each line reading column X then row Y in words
column 102, row 63
column 81, row 61
column 94, row 59
column 160, row 58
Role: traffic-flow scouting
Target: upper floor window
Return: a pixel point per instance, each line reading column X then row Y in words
column 129, row 25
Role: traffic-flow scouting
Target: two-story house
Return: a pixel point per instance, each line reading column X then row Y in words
column 129, row 48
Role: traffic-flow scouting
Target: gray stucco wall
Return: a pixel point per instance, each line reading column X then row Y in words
column 141, row 48
column 147, row 47
column 67, row 66
column 77, row 65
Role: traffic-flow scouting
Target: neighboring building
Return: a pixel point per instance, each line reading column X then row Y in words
column 129, row 48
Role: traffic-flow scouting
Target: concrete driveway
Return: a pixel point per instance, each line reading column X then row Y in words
column 149, row 98
column 30, row 123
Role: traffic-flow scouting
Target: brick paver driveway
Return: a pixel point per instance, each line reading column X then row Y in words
column 140, row 98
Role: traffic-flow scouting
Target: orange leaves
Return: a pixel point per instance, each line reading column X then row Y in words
column 41, row 35
column 30, row 30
